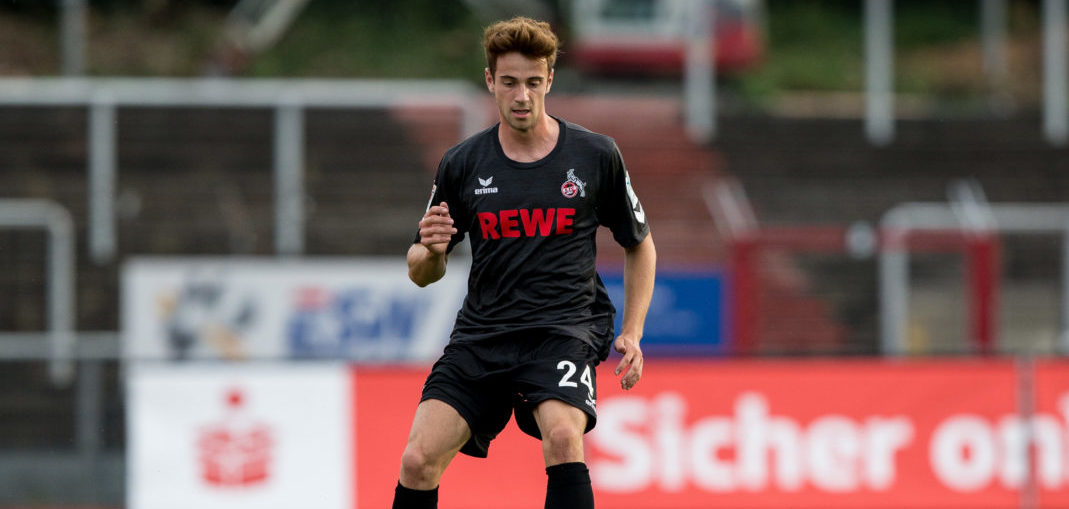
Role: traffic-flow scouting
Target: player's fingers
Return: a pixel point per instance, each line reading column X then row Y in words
column 437, row 231
column 442, row 209
column 435, row 235
column 624, row 362
column 636, row 370
column 434, row 239
column 433, row 225
column 435, row 219
column 634, row 373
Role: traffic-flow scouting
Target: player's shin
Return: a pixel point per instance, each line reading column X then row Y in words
column 406, row 498
column 568, row 487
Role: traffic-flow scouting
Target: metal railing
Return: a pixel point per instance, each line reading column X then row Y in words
column 77, row 360
column 51, row 217
column 289, row 98
column 86, row 472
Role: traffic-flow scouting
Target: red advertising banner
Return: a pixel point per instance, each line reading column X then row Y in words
column 512, row 477
column 1048, row 427
column 804, row 434
column 764, row 434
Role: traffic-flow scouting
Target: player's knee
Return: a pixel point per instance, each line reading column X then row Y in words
column 563, row 443
column 418, row 468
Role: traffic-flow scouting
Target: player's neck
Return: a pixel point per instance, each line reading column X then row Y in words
column 527, row 146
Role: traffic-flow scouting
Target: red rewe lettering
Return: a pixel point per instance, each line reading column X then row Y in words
column 565, row 218
column 537, row 220
column 509, row 223
column 488, row 223
column 515, row 223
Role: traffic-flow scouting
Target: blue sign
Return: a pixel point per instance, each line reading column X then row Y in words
column 366, row 323
column 685, row 315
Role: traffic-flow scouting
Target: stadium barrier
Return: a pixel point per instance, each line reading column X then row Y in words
column 980, row 433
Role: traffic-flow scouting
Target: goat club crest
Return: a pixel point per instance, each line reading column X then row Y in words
column 573, row 186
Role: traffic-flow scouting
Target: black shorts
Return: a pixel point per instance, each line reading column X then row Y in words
column 488, row 381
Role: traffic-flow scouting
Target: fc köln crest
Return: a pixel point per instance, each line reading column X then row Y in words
column 235, row 452
column 573, row 186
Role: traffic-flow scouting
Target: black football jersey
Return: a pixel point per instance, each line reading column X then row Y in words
column 532, row 229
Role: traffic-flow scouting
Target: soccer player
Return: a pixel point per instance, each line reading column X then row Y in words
column 530, row 193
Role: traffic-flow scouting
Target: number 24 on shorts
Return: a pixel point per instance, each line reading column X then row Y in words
column 569, row 369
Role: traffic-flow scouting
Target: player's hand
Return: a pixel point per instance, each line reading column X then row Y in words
column 436, row 229
column 631, row 364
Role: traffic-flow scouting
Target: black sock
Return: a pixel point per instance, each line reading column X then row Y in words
column 569, row 487
column 407, row 498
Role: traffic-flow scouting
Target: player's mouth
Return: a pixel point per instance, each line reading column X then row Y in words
column 521, row 113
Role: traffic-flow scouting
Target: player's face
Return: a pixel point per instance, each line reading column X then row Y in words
column 519, row 87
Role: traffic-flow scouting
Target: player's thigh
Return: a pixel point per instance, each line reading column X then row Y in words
column 554, row 415
column 438, row 431
column 564, row 374
column 561, row 425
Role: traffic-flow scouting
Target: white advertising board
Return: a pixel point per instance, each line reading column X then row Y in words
column 234, row 436
column 361, row 309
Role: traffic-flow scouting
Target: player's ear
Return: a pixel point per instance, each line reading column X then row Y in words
column 489, row 79
column 549, row 81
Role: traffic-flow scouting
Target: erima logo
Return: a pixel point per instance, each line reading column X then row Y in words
column 485, row 183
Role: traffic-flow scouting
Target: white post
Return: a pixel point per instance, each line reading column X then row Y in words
column 73, row 36
column 1065, row 292
column 893, row 266
column 699, row 80
column 993, row 41
column 1055, row 73
column 879, row 71
column 289, row 177
column 102, row 162
column 61, row 299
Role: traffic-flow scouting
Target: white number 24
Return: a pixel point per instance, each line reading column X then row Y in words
column 569, row 371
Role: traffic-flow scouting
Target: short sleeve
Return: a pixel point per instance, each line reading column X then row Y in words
column 619, row 208
column 443, row 189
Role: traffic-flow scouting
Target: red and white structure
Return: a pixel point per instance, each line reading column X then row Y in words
column 967, row 224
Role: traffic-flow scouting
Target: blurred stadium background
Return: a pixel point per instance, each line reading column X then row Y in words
column 831, row 184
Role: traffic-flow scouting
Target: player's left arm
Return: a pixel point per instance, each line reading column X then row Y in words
column 640, row 267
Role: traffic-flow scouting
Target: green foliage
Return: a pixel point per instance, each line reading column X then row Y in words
column 818, row 45
column 921, row 24
column 107, row 6
column 810, row 46
column 402, row 39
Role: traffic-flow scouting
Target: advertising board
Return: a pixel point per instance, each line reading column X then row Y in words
column 223, row 436
column 686, row 314
column 361, row 309
column 924, row 434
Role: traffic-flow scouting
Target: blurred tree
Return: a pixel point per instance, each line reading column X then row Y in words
column 401, row 39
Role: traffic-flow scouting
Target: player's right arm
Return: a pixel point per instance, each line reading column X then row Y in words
column 427, row 258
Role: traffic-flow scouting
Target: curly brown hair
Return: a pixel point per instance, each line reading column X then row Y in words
column 531, row 38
